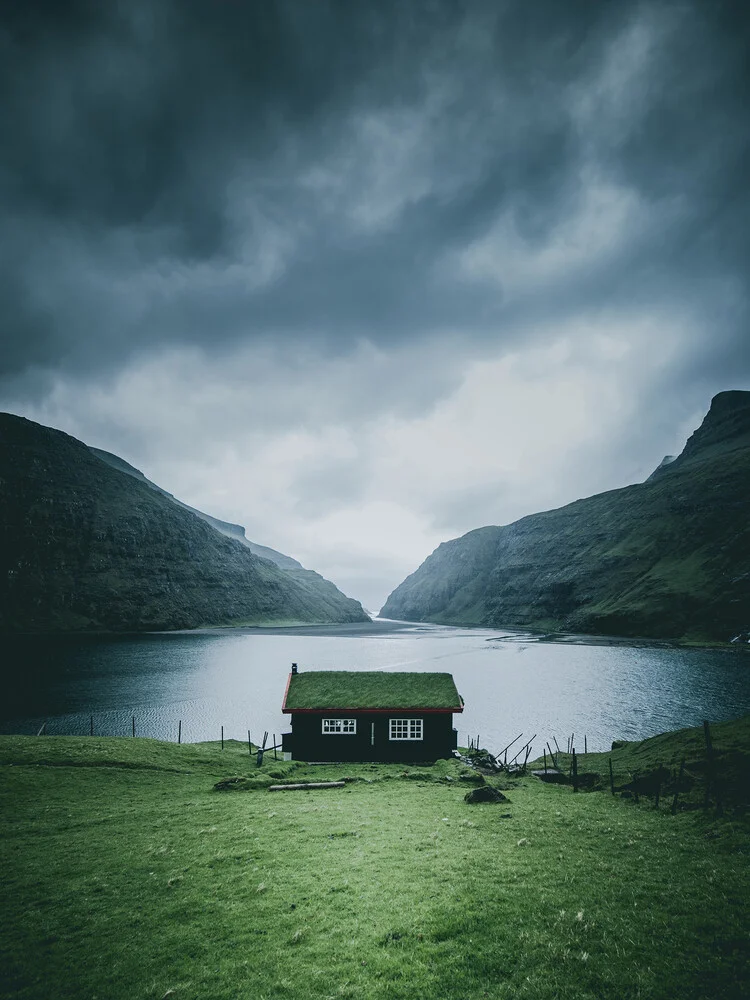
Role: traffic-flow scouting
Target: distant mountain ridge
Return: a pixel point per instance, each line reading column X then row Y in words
column 667, row 558
column 235, row 531
column 86, row 544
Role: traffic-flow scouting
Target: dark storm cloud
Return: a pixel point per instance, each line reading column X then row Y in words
column 207, row 171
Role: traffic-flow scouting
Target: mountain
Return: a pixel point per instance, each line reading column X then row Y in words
column 235, row 531
column 667, row 558
column 88, row 544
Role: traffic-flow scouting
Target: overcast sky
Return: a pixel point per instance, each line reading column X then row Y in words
column 364, row 275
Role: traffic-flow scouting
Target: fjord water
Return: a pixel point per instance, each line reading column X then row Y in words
column 235, row 678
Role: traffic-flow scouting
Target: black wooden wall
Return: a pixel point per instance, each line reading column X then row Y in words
column 307, row 741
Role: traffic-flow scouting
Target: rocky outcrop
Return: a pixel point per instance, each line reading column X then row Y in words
column 668, row 558
column 87, row 546
column 667, row 460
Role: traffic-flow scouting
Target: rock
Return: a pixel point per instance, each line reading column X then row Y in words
column 485, row 794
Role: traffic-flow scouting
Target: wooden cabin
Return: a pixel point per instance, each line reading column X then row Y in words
column 347, row 715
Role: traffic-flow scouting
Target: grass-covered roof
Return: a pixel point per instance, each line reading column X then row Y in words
column 373, row 689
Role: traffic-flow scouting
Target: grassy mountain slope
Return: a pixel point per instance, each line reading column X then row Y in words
column 86, row 546
column 666, row 558
column 235, row 531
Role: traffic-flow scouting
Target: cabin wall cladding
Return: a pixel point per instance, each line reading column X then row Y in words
column 371, row 741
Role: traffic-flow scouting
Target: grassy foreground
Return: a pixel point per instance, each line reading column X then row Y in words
column 127, row 875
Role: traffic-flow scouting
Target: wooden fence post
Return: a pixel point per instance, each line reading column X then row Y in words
column 506, row 749
column 133, row 725
column 222, row 737
column 249, row 744
column 274, row 747
column 524, row 747
column 585, row 746
column 575, row 771
column 91, row 725
column 179, row 731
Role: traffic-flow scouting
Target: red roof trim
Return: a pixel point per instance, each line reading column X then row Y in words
column 286, row 692
column 370, row 711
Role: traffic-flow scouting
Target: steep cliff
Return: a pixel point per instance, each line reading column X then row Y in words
column 87, row 546
column 235, row 531
column 666, row 558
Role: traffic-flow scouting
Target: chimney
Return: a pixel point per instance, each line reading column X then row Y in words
column 294, row 668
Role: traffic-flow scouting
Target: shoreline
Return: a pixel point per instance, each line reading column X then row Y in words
column 640, row 642
column 381, row 626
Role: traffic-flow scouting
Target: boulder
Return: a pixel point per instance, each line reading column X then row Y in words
column 486, row 793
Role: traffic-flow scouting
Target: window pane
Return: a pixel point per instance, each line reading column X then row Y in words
column 346, row 726
column 406, row 729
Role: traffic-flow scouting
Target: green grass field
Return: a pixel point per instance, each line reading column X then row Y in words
column 126, row 875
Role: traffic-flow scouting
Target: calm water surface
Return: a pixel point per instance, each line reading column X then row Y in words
column 236, row 678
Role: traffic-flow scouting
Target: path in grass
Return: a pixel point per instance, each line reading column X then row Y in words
column 125, row 881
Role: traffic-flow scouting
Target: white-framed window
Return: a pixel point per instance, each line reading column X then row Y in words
column 406, row 729
column 342, row 727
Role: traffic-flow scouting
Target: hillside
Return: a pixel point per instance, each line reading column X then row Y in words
column 235, row 531
column 87, row 546
column 668, row 558
column 392, row 887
